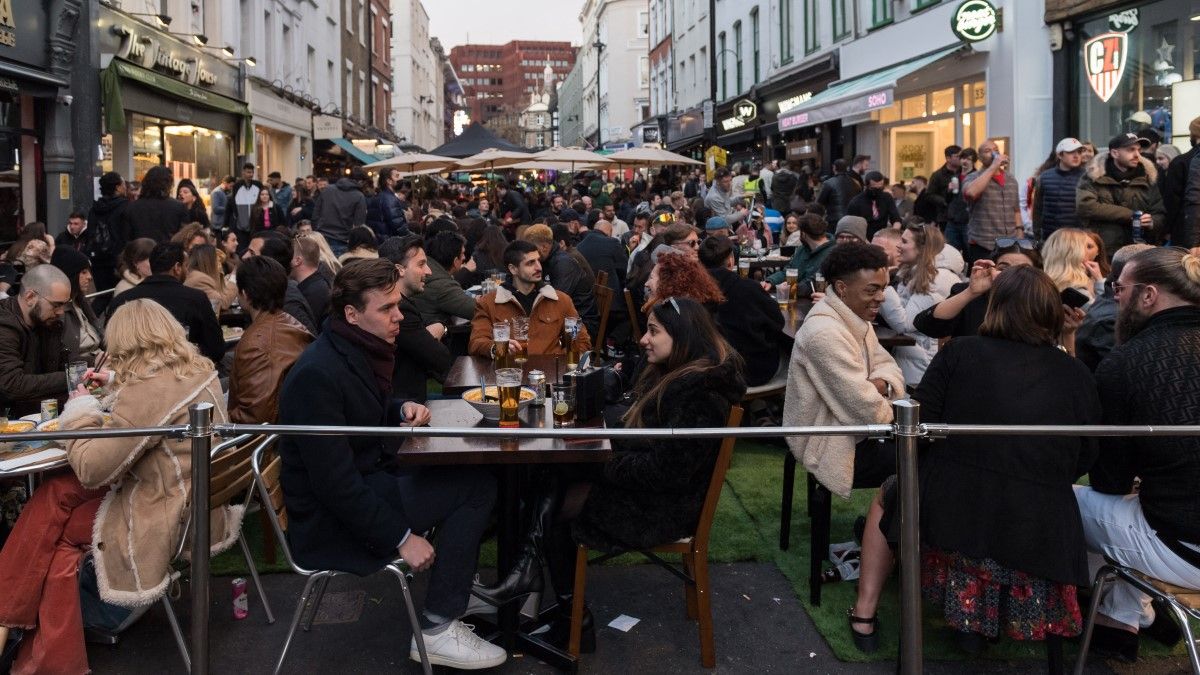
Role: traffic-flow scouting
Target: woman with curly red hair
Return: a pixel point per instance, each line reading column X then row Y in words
column 681, row 276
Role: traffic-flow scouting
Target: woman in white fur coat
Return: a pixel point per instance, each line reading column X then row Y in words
column 125, row 500
column 840, row 374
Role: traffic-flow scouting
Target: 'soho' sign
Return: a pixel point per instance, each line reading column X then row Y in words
column 975, row 20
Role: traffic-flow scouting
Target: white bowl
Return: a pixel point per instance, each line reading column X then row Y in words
column 491, row 409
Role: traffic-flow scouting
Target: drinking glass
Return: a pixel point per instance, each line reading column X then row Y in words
column 500, row 336
column 520, row 333
column 783, row 295
column 819, row 283
column 563, row 397
column 75, row 373
column 793, row 278
column 508, row 381
column 744, row 268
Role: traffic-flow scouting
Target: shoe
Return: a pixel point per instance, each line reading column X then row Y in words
column 557, row 633
column 866, row 643
column 526, row 575
column 9, row 653
column 1114, row 643
column 458, row 647
column 1164, row 629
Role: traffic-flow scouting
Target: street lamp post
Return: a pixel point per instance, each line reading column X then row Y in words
column 599, row 47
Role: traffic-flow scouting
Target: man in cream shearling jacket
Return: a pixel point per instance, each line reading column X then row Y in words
column 841, row 375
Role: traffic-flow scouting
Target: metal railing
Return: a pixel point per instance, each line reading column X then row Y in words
column 906, row 431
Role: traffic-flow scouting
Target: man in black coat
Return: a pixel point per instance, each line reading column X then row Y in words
column 350, row 506
column 943, row 185
column 155, row 214
column 606, row 253
column 511, row 206
column 840, row 188
column 273, row 245
column 875, row 204
column 1175, row 185
column 1151, row 378
column 749, row 318
column 189, row 306
column 420, row 353
column 104, row 220
column 565, row 274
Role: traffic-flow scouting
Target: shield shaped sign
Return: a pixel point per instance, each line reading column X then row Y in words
column 1104, row 58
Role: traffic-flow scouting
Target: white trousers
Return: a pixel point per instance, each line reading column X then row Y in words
column 1113, row 526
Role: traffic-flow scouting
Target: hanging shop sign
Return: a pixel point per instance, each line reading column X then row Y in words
column 744, row 112
column 975, row 20
column 1124, row 22
column 8, row 24
column 1104, row 58
column 326, row 126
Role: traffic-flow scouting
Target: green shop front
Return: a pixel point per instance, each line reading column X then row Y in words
column 169, row 103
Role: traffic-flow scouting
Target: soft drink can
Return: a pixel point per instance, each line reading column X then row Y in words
column 1137, row 227
column 537, row 382
column 49, row 409
column 241, row 601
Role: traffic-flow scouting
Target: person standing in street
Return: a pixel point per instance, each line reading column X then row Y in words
column 1174, row 185
column 944, row 184
column 1117, row 185
column 282, row 193
column 340, row 208
column 875, row 204
column 1054, row 190
column 992, row 193
column 154, row 215
column 243, row 195
column 218, row 196
column 385, row 210
column 104, row 219
column 843, row 186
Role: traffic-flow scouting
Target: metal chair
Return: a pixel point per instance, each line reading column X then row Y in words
column 694, row 553
column 1184, row 603
column 266, row 475
column 230, row 476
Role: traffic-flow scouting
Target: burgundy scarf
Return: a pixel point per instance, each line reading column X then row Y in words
column 380, row 354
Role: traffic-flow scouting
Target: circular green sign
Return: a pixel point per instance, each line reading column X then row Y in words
column 975, row 20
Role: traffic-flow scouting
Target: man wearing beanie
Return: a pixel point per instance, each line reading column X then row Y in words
column 851, row 230
column 1174, row 185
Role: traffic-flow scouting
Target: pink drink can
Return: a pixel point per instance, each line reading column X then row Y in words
column 241, row 602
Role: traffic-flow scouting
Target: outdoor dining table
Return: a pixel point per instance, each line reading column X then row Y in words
column 466, row 370
column 509, row 455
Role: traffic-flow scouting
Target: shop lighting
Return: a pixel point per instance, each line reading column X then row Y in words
column 249, row 60
column 1195, row 17
column 162, row 19
column 198, row 38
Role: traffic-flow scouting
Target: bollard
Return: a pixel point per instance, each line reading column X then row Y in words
column 200, row 431
column 907, row 417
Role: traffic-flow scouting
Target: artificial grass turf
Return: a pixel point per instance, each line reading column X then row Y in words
column 746, row 528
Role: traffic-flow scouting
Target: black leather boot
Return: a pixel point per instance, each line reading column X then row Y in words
column 526, row 574
column 559, row 633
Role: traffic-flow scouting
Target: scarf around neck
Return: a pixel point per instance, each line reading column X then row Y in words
column 380, row 354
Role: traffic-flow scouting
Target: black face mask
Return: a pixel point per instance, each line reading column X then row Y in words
column 874, row 192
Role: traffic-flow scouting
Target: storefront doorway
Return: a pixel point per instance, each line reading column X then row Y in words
column 918, row 127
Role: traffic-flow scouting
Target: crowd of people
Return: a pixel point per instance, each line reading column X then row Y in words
column 1071, row 299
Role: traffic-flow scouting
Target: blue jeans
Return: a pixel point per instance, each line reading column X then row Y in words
column 956, row 236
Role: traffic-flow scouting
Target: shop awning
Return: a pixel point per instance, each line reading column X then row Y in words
column 859, row 95
column 16, row 78
column 114, row 108
column 353, row 151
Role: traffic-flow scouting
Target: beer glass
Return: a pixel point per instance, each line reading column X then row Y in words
column 500, row 336
column 783, row 294
column 744, row 268
column 520, row 333
column 570, row 332
column 508, row 381
column 563, row 397
column 793, row 277
column 819, row 283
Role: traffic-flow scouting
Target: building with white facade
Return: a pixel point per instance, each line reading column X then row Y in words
column 570, row 108
column 417, row 98
column 684, row 131
column 616, row 77
column 537, row 119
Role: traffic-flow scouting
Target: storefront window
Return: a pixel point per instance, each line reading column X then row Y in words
column 192, row 152
column 918, row 127
column 941, row 102
column 1152, row 69
column 912, row 107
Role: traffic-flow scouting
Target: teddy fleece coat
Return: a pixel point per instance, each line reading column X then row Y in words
column 835, row 355
column 142, row 519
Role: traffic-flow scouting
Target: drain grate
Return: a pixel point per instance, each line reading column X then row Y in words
column 340, row 607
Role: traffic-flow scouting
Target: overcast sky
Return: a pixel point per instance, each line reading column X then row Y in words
column 457, row 22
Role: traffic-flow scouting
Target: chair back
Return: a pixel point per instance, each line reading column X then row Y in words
column 229, row 475
column 634, row 328
column 267, row 467
column 604, row 297
column 602, row 278
column 724, row 456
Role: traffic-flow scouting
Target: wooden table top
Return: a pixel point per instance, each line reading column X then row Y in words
column 795, row 317
column 458, row 413
column 466, row 370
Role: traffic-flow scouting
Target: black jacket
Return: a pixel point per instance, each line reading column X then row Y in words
column 965, row 324
column 189, row 306
column 1054, row 200
column 879, row 208
column 783, row 186
column 1174, row 186
column 197, row 214
column 1154, row 378
column 339, row 208
column 751, row 321
column 385, row 215
column 605, row 253
column 418, row 356
column 157, row 219
column 1000, row 497
column 566, row 275
column 652, row 490
column 105, row 221
column 836, row 193
column 316, row 293
column 344, row 512
column 258, row 218
column 296, row 304
column 31, row 362
column 938, row 192
column 513, row 204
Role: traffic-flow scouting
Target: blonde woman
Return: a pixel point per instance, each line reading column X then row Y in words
column 204, row 273
column 922, row 283
column 329, row 262
column 124, row 499
column 1065, row 259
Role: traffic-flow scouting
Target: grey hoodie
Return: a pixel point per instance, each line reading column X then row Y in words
column 340, row 207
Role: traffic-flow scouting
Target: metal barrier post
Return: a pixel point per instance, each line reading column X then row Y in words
column 907, row 416
column 200, row 431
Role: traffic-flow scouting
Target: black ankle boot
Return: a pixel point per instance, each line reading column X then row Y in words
column 526, row 574
column 559, row 633
column 8, row 651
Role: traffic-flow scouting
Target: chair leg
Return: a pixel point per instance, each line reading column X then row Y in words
column 300, row 607
column 689, row 588
column 1054, row 655
column 785, row 507
column 418, row 638
column 316, row 604
column 581, row 561
column 268, row 538
column 820, row 513
column 1085, row 640
column 262, row 594
column 174, row 621
column 1182, row 618
column 708, row 654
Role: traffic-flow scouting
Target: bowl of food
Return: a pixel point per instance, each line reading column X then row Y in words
column 490, row 409
column 17, row 427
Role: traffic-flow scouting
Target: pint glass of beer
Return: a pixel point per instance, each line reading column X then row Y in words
column 508, row 381
column 500, row 336
column 520, row 333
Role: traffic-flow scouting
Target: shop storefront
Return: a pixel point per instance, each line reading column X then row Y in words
column 685, row 133
column 168, row 103
column 1134, row 65
column 796, row 140
column 282, row 133
column 28, row 93
column 739, row 130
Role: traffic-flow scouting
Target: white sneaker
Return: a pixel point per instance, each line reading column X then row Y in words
column 459, row 647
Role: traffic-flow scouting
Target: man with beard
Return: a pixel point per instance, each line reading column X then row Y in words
column 1097, row 334
column 1116, row 185
column 1151, row 378
column 992, row 194
column 944, row 185
column 31, row 346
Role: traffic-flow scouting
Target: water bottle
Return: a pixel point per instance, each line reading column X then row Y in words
column 846, row 570
column 1137, row 228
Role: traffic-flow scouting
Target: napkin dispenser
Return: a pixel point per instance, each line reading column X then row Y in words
column 589, row 394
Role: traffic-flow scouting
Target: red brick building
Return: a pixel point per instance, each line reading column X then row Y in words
column 498, row 80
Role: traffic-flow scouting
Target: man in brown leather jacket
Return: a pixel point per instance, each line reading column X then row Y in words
column 269, row 346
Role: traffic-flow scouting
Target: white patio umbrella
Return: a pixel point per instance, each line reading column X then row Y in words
column 411, row 163
column 492, row 159
column 651, row 157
